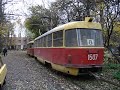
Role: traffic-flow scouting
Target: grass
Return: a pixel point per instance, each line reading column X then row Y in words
column 116, row 68
column 113, row 66
column 117, row 75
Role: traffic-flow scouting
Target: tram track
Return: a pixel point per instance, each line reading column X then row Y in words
column 80, row 82
column 74, row 82
column 99, row 78
column 65, row 78
column 70, row 79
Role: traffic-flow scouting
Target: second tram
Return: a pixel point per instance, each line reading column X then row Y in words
column 30, row 48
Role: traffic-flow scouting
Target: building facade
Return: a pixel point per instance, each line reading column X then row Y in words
column 17, row 43
column 21, row 43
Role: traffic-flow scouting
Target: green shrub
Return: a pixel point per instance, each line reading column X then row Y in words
column 117, row 75
column 113, row 66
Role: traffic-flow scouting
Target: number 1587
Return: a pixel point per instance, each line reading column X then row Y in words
column 92, row 56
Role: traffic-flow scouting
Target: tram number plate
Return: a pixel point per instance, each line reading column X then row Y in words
column 92, row 56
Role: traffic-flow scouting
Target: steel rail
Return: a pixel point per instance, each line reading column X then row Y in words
column 103, row 79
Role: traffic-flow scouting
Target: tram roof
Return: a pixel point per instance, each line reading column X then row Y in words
column 71, row 25
column 61, row 27
column 30, row 42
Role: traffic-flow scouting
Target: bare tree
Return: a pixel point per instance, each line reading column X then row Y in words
column 111, row 15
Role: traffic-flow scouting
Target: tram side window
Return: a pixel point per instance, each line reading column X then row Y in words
column 34, row 44
column 58, row 38
column 49, row 40
column 30, row 45
column 44, row 41
column 70, row 38
column 27, row 45
column 40, row 42
column 37, row 42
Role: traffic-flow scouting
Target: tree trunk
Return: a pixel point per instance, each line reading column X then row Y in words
column 1, row 17
column 88, row 8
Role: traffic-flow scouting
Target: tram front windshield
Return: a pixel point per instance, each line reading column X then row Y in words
column 83, row 37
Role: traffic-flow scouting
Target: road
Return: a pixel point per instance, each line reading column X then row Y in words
column 26, row 73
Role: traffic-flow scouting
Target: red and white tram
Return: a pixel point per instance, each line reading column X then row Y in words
column 30, row 48
column 72, row 48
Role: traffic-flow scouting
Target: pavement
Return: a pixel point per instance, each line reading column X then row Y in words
column 26, row 73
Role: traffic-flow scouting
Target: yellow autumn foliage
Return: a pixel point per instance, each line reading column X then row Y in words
column 117, row 27
column 3, row 30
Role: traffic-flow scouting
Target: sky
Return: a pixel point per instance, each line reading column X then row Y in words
column 20, row 10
